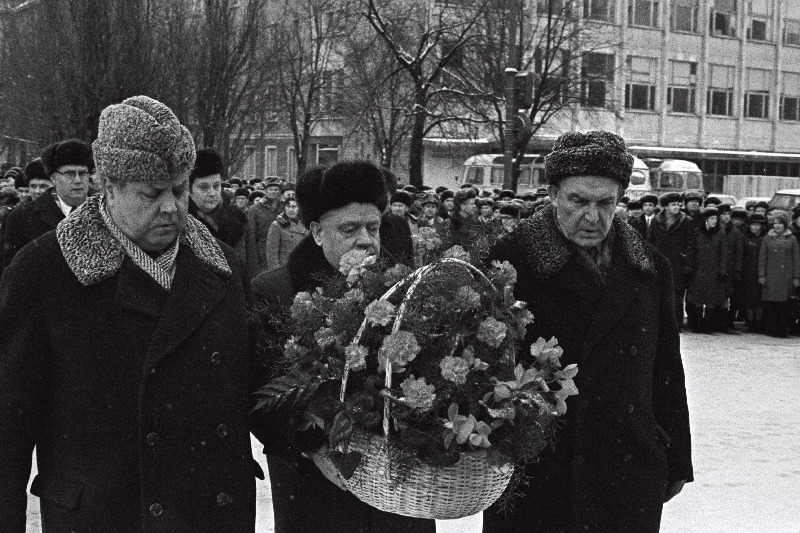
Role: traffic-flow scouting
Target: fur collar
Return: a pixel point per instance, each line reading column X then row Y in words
column 546, row 250
column 94, row 255
column 774, row 234
column 661, row 220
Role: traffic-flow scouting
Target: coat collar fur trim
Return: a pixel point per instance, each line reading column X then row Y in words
column 94, row 255
column 547, row 251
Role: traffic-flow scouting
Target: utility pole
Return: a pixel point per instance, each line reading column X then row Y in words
column 510, row 131
column 518, row 94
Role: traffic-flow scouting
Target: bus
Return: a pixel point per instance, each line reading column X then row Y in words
column 669, row 175
column 486, row 172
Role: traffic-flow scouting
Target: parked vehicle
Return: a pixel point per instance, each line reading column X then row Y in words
column 640, row 180
column 742, row 202
column 485, row 172
column 762, row 186
column 725, row 198
column 669, row 175
column 786, row 199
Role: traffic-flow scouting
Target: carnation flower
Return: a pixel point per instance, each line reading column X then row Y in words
column 395, row 274
column 454, row 369
column 302, row 305
column 292, row 349
column 427, row 238
column 356, row 356
column 467, row 298
column 354, row 264
column 326, row 337
column 380, row 312
column 492, row 332
column 353, row 296
column 506, row 273
column 456, row 252
column 417, row 393
column 399, row 348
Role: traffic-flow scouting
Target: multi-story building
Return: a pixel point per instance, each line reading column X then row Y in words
column 716, row 82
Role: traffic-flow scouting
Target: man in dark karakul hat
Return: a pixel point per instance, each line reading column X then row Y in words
column 592, row 282
column 68, row 165
column 342, row 207
column 125, row 358
column 693, row 201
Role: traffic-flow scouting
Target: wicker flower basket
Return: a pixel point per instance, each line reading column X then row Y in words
column 464, row 489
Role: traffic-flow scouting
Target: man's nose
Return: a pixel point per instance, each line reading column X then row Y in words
column 363, row 238
column 592, row 214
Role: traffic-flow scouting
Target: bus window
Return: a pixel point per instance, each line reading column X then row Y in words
column 638, row 178
column 694, row 180
column 475, row 175
column 671, row 180
column 497, row 176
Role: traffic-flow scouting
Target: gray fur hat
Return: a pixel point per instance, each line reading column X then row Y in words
column 596, row 153
column 142, row 140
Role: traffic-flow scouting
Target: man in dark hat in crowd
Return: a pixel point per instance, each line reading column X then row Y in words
column 124, row 352
column 206, row 204
column 671, row 233
column 594, row 284
column 508, row 216
column 400, row 205
column 67, row 164
column 343, row 207
column 36, row 179
column 429, row 217
column 240, row 197
column 692, row 201
column 733, row 284
column 260, row 217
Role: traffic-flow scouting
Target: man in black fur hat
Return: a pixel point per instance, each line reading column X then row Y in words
column 342, row 206
column 592, row 282
column 68, row 165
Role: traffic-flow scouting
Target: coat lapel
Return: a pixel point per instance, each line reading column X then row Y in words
column 138, row 292
column 49, row 213
column 196, row 291
column 575, row 278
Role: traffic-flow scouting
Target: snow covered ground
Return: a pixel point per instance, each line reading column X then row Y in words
column 744, row 400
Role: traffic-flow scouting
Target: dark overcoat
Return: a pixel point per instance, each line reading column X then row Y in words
column 28, row 221
column 136, row 398
column 304, row 501
column 673, row 242
column 626, row 434
column 708, row 260
column 751, row 246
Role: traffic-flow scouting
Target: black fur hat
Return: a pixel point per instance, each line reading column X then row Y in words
column 35, row 171
column 756, row 218
column 652, row 198
column 69, row 152
column 738, row 212
column 710, row 211
column 670, row 197
column 207, row 163
column 403, row 197
column 692, row 195
column 723, row 208
column 508, row 208
column 447, row 193
column 598, row 153
column 711, row 200
column 320, row 190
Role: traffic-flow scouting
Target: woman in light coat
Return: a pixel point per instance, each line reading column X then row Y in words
column 284, row 234
column 778, row 273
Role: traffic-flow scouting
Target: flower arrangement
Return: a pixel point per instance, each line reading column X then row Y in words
column 427, row 358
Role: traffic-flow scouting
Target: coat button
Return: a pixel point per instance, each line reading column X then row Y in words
column 156, row 510
column 222, row 431
column 633, row 351
column 216, row 358
column 223, row 499
column 152, row 438
column 630, row 408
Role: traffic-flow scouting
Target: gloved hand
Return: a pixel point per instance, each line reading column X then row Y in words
column 762, row 281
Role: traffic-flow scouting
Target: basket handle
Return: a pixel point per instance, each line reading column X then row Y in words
column 417, row 276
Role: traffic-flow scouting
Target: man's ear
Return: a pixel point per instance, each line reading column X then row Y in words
column 552, row 192
column 316, row 232
column 109, row 189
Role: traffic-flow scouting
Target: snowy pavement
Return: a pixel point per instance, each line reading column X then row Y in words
column 744, row 401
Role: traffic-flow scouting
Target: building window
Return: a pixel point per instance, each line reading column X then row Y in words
column 599, row 10
column 682, row 90
column 758, row 27
column 723, row 18
column 640, row 83
column 791, row 32
column 291, row 165
column 270, row 161
column 597, row 75
column 330, row 90
column 326, row 154
column 643, row 13
column 684, row 15
column 790, row 97
column 719, row 100
column 756, row 97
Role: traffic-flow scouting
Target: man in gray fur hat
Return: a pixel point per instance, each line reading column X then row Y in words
column 124, row 353
column 592, row 282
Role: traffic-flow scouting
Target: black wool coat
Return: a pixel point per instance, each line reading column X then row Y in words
column 625, row 436
column 136, row 398
column 673, row 242
column 28, row 221
column 304, row 501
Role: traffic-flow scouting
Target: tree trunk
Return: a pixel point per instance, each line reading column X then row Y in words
column 416, row 147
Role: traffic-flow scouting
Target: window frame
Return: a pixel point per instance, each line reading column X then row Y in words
column 732, row 21
column 610, row 15
column 589, row 80
column 655, row 15
column 695, row 10
column 749, row 98
column 786, row 33
column 782, row 108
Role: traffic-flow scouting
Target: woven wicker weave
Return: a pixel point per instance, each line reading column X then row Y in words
column 443, row 493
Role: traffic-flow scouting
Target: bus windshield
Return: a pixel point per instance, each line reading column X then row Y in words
column 475, row 175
